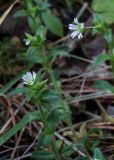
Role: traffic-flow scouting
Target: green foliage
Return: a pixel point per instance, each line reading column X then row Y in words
column 98, row 154
column 108, row 36
column 21, row 13
column 100, row 59
column 52, row 23
column 33, row 55
column 34, row 14
column 90, row 145
column 104, row 9
column 6, row 87
column 104, row 85
column 29, row 117
column 43, row 155
column 35, row 92
column 38, row 39
column 60, row 51
column 45, row 140
column 43, row 5
column 29, row 92
column 67, row 151
column 52, row 108
column 84, row 158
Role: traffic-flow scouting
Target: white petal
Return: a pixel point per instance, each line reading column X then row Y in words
column 34, row 75
column 76, row 20
column 74, row 34
column 25, row 82
column 29, row 78
column 80, row 36
column 72, row 27
column 29, row 74
column 27, row 42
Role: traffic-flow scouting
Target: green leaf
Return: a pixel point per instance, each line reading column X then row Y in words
column 32, row 24
column 84, row 158
column 33, row 56
column 98, row 154
column 52, row 23
column 18, row 90
column 43, row 155
column 27, row 91
column 45, row 140
column 67, row 150
column 21, row 13
column 10, row 84
column 104, row 85
column 51, row 95
column 104, row 8
column 42, row 4
column 108, row 35
column 60, row 51
column 100, row 59
column 53, row 120
column 41, row 33
column 29, row 117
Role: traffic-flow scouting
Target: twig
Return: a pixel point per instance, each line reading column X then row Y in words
column 7, row 123
column 87, row 74
column 68, row 143
column 17, row 143
column 22, row 157
column 34, row 140
column 82, row 10
column 99, row 94
column 76, row 125
column 81, row 58
column 10, row 149
column 101, row 107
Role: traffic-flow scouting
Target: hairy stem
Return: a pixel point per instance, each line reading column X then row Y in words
column 63, row 105
column 57, row 156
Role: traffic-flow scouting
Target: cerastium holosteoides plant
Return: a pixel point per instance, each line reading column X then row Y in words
column 51, row 107
column 103, row 18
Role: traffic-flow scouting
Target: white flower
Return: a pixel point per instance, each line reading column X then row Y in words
column 27, row 42
column 77, row 29
column 28, row 39
column 29, row 78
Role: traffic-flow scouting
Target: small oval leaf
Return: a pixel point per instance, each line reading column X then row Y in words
column 53, row 23
column 98, row 154
column 104, row 85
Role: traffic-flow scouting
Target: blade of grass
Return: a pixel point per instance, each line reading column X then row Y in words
column 2, row 18
column 6, row 87
column 29, row 117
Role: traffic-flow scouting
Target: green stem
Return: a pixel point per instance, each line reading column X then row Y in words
column 55, row 151
column 112, row 64
column 111, row 55
column 43, row 117
column 58, row 89
column 47, row 126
